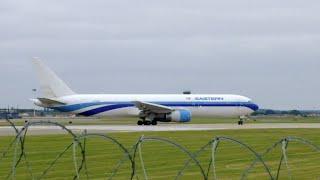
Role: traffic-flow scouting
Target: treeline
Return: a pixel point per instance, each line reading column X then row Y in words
column 286, row 112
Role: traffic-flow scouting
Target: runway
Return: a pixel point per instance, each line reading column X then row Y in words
column 47, row 130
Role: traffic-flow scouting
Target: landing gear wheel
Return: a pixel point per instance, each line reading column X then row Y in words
column 154, row 123
column 240, row 123
column 147, row 123
column 140, row 123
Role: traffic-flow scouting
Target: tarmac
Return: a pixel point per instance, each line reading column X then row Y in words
column 48, row 130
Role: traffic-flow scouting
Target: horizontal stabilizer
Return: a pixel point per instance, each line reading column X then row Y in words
column 50, row 102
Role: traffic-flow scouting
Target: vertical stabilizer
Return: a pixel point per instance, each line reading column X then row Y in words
column 51, row 85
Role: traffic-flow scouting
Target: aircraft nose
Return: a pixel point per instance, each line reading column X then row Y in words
column 254, row 106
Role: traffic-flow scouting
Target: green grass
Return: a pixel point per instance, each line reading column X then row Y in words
column 133, row 121
column 163, row 161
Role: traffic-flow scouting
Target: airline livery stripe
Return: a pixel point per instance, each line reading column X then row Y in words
column 104, row 109
column 124, row 105
column 75, row 107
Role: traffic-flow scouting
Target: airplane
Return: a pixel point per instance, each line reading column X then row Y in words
column 148, row 108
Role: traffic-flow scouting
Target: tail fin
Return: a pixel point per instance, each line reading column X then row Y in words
column 51, row 85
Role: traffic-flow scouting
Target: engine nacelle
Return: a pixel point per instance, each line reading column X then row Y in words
column 179, row 116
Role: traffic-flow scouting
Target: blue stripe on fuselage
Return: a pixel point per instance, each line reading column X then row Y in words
column 104, row 109
column 117, row 105
column 75, row 107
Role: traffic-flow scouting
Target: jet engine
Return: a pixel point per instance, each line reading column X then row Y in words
column 175, row 116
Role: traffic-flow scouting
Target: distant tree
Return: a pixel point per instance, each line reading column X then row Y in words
column 258, row 112
column 295, row 112
column 284, row 112
column 269, row 112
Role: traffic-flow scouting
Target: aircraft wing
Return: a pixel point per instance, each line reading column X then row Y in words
column 49, row 102
column 151, row 107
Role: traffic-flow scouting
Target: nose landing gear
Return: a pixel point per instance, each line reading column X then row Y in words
column 241, row 121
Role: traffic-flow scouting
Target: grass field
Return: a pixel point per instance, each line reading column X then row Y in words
column 163, row 161
column 133, row 121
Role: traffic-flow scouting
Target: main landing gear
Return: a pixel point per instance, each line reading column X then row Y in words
column 147, row 123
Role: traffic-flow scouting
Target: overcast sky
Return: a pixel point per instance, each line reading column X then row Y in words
column 266, row 50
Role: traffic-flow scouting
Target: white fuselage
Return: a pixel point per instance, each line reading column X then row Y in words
column 122, row 105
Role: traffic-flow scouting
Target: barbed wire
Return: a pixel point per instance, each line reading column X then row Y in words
column 134, row 154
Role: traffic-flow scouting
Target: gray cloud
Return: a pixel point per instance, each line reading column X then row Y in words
column 267, row 50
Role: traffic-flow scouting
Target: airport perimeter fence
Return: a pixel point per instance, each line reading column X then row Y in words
column 134, row 154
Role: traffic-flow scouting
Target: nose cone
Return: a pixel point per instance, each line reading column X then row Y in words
column 254, row 107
